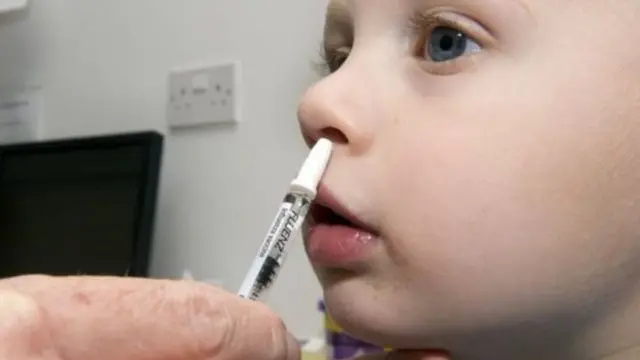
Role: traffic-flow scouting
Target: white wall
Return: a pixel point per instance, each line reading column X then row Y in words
column 103, row 66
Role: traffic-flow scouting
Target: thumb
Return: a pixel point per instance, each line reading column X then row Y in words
column 257, row 333
column 102, row 318
column 22, row 334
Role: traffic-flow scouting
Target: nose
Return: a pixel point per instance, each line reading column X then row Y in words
column 338, row 108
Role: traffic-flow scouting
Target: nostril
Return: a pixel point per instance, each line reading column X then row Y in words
column 336, row 136
column 308, row 140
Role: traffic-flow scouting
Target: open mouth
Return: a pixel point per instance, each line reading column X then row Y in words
column 326, row 216
column 327, row 210
column 335, row 237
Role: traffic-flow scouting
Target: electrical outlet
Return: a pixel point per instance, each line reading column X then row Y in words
column 203, row 95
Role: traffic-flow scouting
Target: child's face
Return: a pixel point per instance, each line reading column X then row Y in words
column 494, row 146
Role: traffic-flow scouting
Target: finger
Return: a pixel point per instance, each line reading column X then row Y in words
column 103, row 318
column 23, row 332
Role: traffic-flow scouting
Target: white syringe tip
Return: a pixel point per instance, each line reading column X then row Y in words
column 313, row 168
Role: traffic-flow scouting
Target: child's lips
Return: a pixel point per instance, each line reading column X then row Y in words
column 338, row 246
column 327, row 200
column 335, row 237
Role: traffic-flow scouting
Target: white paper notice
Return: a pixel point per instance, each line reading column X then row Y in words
column 11, row 5
column 19, row 117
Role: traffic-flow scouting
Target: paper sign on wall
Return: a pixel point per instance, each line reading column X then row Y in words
column 11, row 5
column 19, row 116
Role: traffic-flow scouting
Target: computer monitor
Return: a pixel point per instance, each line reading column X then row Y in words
column 82, row 206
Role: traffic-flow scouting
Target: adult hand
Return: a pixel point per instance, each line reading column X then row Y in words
column 104, row 318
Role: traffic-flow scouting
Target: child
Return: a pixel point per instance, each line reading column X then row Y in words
column 484, row 194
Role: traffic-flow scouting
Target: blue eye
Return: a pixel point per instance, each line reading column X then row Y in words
column 446, row 44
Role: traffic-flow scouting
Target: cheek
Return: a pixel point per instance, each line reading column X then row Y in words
column 506, row 191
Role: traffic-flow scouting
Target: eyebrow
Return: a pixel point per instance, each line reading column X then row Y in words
column 339, row 15
column 521, row 4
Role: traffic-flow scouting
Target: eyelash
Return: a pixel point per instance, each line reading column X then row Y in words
column 332, row 59
column 423, row 25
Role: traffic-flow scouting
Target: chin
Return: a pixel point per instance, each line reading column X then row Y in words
column 371, row 314
column 391, row 315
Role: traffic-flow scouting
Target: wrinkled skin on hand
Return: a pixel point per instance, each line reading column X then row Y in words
column 102, row 318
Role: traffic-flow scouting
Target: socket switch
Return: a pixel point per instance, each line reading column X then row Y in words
column 203, row 95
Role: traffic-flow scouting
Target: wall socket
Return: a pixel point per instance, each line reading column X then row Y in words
column 203, row 95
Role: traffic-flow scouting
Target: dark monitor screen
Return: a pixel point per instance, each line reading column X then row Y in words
column 82, row 206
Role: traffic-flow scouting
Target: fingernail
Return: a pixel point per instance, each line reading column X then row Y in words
column 293, row 348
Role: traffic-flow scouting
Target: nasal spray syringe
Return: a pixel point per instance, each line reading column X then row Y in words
column 287, row 223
